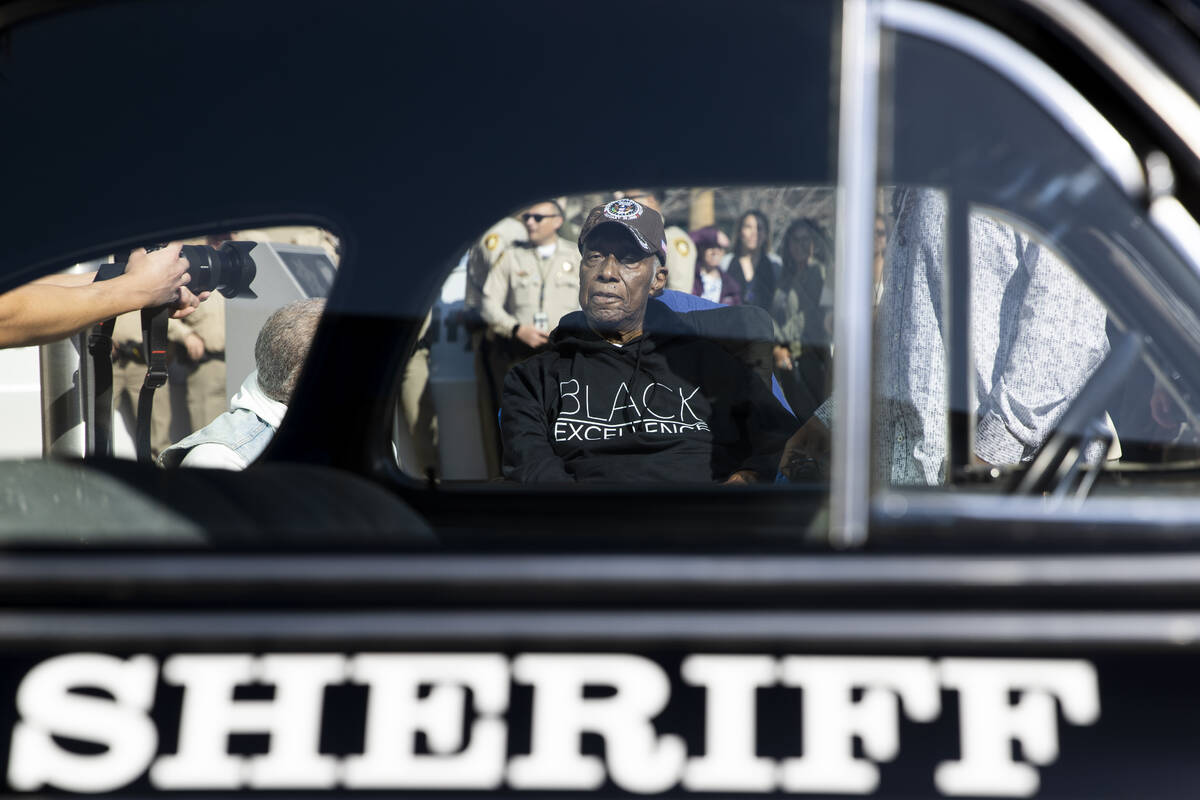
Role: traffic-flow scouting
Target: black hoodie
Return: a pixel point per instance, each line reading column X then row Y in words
column 668, row 406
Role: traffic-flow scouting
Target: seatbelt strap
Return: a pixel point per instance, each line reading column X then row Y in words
column 154, row 340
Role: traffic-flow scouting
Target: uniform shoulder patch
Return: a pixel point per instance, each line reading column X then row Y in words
column 623, row 209
column 491, row 241
column 683, row 246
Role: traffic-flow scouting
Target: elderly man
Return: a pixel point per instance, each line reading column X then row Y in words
column 240, row 435
column 626, row 391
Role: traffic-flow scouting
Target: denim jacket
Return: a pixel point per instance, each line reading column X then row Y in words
column 234, row 439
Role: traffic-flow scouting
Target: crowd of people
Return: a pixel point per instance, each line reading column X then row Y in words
column 792, row 285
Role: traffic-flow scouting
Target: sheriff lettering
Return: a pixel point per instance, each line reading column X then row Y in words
column 442, row 721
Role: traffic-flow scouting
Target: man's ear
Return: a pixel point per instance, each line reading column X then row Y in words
column 660, row 276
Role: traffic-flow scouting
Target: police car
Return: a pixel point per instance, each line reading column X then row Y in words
column 333, row 620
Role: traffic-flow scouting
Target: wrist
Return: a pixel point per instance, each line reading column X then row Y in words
column 125, row 292
column 136, row 291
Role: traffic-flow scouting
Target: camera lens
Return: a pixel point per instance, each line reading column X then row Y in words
column 229, row 269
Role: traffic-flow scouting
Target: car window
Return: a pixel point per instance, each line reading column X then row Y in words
column 210, row 356
column 1028, row 335
column 749, row 276
column 782, row 91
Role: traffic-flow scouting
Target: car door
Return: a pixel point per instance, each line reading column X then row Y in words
column 853, row 636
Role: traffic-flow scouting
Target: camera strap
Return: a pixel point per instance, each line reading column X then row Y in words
column 99, row 346
column 154, row 340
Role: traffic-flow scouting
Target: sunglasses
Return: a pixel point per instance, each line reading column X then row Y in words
column 537, row 217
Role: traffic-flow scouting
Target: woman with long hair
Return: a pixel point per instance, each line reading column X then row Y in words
column 711, row 282
column 802, row 342
column 750, row 265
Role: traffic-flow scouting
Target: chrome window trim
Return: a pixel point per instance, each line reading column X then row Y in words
column 472, row 628
column 1114, row 49
column 1116, row 157
column 1043, row 85
column 858, row 146
column 1149, row 512
column 386, row 576
column 1080, row 119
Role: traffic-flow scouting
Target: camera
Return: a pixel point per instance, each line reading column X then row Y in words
column 227, row 269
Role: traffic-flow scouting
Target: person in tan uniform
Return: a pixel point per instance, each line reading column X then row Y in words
column 482, row 257
column 480, row 260
column 533, row 284
column 416, row 404
column 199, row 346
column 681, row 251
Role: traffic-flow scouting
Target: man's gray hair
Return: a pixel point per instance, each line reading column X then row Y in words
column 282, row 346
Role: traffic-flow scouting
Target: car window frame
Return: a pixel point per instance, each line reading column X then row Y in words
column 934, row 518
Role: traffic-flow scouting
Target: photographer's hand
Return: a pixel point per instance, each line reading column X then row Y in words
column 157, row 276
column 58, row 306
column 187, row 302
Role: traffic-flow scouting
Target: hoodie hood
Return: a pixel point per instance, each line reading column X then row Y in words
column 660, row 326
column 576, row 341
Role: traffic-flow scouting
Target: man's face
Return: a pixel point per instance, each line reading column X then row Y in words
column 616, row 278
column 542, row 222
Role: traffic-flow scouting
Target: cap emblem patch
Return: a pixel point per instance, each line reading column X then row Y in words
column 623, row 209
